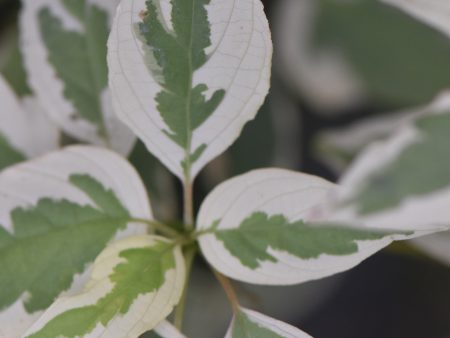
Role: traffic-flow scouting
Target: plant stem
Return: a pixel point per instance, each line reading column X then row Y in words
column 188, row 220
column 229, row 290
column 188, row 201
column 164, row 229
column 189, row 256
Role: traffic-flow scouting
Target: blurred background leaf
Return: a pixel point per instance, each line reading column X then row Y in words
column 14, row 72
column 400, row 59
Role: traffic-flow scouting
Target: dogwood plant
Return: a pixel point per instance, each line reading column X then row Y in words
column 81, row 254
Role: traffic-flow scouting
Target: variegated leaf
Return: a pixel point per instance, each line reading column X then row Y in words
column 64, row 46
column 57, row 213
column 186, row 75
column 266, row 227
column 403, row 182
column 12, row 67
column 135, row 284
column 25, row 131
column 339, row 147
column 335, row 66
column 251, row 324
column 433, row 12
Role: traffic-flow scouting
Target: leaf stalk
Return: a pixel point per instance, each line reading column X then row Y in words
column 229, row 290
column 189, row 257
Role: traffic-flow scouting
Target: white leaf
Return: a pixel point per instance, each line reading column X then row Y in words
column 51, row 88
column 433, row 12
column 25, row 125
column 251, row 324
column 238, row 62
column 24, row 188
column 267, row 227
column 126, row 296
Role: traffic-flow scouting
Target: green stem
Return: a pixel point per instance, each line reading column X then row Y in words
column 179, row 311
column 162, row 228
column 188, row 201
column 187, row 184
column 229, row 290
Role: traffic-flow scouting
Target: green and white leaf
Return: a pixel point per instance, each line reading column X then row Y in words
column 433, row 12
column 186, row 75
column 336, row 67
column 57, row 213
column 251, row 324
column 402, row 182
column 338, row 147
column 135, row 284
column 64, row 48
column 25, row 131
column 268, row 227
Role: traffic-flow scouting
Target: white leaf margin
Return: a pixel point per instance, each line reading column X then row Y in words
column 25, row 125
column 239, row 62
column 166, row 330
column 359, row 135
column 295, row 195
column 283, row 329
column 436, row 246
column 423, row 214
column 24, row 184
column 49, row 89
column 146, row 312
column 433, row 12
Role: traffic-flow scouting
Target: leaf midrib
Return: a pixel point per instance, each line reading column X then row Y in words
column 189, row 99
column 90, row 47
